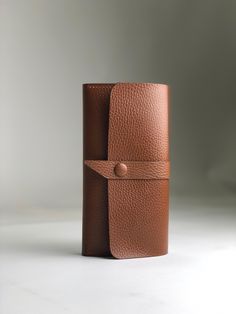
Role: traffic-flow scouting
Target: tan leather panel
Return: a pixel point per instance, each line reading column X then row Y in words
column 138, row 131
column 134, row 169
column 138, row 217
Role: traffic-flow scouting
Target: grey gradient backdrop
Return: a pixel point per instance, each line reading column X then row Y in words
column 49, row 48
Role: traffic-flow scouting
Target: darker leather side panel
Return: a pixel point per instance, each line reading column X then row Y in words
column 96, row 99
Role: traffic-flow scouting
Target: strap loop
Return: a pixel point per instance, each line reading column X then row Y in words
column 133, row 169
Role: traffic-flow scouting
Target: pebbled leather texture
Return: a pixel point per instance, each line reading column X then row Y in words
column 126, row 170
column 135, row 169
column 138, row 209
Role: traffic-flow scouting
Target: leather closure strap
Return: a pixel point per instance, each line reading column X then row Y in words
column 124, row 170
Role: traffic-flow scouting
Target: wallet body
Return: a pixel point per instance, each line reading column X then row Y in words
column 126, row 170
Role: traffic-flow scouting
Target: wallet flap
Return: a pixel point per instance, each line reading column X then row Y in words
column 138, row 131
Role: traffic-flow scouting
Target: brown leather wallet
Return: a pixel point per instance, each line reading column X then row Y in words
column 126, row 170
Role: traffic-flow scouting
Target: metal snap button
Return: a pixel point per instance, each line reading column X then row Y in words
column 120, row 169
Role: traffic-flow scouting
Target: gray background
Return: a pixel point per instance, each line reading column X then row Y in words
column 49, row 48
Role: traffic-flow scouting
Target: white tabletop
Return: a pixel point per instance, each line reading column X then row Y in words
column 43, row 272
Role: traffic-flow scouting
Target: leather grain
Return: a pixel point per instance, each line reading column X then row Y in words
column 126, row 170
column 138, row 131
